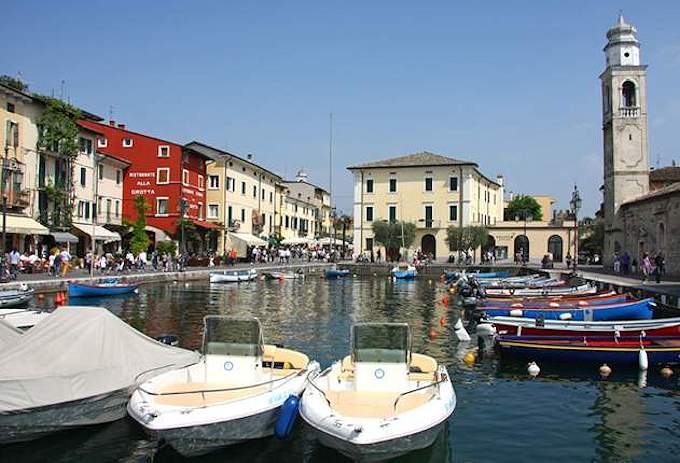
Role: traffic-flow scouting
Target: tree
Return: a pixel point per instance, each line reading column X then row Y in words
column 394, row 235
column 140, row 240
column 592, row 236
column 463, row 239
column 523, row 206
column 58, row 132
column 13, row 82
column 191, row 235
column 166, row 247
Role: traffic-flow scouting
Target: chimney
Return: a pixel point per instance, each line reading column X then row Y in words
column 500, row 179
column 249, row 156
column 112, row 123
column 121, row 126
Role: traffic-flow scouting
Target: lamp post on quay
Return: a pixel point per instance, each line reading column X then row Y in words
column 527, row 218
column 575, row 204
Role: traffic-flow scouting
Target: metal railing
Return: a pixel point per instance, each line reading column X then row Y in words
column 632, row 111
column 443, row 377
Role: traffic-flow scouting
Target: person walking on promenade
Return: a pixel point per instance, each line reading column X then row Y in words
column 660, row 267
column 14, row 257
column 625, row 263
column 617, row 263
column 646, row 267
column 65, row 261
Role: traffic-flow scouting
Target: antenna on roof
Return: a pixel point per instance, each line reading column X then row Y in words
column 110, row 112
column 61, row 91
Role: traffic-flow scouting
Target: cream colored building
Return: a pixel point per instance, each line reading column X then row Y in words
column 19, row 113
column 241, row 196
column 318, row 197
column 298, row 216
column 430, row 190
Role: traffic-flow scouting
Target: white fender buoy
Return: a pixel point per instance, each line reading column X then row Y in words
column 533, row 369
column 554, row 304
column 461, row 332
column 605, row 370
column 666, row 372
column 516, row 313
column 517, row 304
column 643, row 360
column 565, row 316
column 642, row 379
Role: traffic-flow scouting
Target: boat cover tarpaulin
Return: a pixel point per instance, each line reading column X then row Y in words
column 8, row 335
column 80, row 352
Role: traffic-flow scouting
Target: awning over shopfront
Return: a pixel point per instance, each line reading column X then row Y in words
column 208, row 225
column 250, row 240
column 100, row 232
column 297, row 240
column 24, row 225
column 64, row 237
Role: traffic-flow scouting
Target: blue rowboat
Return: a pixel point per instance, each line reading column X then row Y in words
column 335, row 274
column 454, row 275
column 660, row 350
column 633, row 310
column 404, row 272
column 557, row 304
column 100, row 289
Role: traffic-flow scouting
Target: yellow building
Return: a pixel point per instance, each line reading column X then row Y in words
column 19, row 113
column 298, row 215
column 430, row 190
column 241, row 196
column 317, row 197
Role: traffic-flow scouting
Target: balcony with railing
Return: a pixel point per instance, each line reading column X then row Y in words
column 428, row 223
column 629, row 111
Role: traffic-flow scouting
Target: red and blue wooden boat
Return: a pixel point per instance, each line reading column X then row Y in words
column 632, row 310
column 106, row 288
column 536, row 327
column 660, row 350
column 558, row 301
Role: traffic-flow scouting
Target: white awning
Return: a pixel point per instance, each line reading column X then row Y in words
column 64, row 237
column 100, row 232
column 297, row 240
column 24, row 225
column 337, row 242
column 250, row 240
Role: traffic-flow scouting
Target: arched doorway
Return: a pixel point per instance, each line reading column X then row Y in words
column 521, row 250
column 428, row 245
column 555, row 247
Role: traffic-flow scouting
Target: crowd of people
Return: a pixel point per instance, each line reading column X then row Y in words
column 296, row 253
column 647, row 266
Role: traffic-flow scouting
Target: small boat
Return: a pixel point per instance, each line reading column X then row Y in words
column 448, row 275
column 625, row 351
column 588, row 299
column 632, row 310
column 235, row 393
column 381, row 401
column 514, row 292
column 538, row 327
column 76, row 368
column 107, row 287
column 283, row 275
column 233, row 276
column 404, row 271
column 15, row 298
column 556, row 303
column 22, row 319
column 335, row 274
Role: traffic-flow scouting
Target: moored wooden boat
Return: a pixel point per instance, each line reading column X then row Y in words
column 548, row 291
column 590, row 298
column 283, row 275
column 658, row 350
column 633, row 310
column 535, row 327
column 555, row 302
column 106, row 288
column 233, row 276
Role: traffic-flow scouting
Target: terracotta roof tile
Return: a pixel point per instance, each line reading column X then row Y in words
column 422, row 159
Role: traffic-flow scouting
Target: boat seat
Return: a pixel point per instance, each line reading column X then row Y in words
column 288, row 359
column 371, row 404
column 346, row 369
column 422, row 368
column 199, row 399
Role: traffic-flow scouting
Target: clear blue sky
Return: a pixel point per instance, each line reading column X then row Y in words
column 510, row 85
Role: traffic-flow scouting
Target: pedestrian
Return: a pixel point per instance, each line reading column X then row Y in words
column 659, row 267
column 617, row 263
column 65, row 261
column 14, row 257
column 646, row 266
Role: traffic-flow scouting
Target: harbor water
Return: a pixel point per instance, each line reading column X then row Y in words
column 565, row 414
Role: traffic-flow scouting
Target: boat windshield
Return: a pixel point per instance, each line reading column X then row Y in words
column 229, row 336
column 381, row 342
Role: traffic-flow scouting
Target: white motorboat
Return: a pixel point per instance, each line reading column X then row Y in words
column 76, row 368
column 382, row 401
column 22, row 318
column 234, row 394
column 284, row 275
column 547, row 291
column 14, row 298
column 233, row 276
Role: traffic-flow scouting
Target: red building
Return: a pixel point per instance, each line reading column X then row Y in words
column 161, row 171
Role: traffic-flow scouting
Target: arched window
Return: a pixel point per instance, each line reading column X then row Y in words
column 628, row 94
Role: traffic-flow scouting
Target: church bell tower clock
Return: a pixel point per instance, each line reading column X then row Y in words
column 624, row 127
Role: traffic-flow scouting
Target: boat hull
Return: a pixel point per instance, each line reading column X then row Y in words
column 610, row 353
column 638, row 310
column 232, row 277
column 198, row 440
column 38, row 422
column 15, row 299
column 528, row 327
column 380, row 451
column 79, row 290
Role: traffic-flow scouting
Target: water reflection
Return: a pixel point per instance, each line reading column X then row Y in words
column 502, row 415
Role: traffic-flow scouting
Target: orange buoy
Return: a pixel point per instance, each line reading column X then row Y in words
column 442, row 321
column 445, row 300
column 666, row 372
column 432, row 334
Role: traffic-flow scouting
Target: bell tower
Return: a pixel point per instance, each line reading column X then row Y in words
column 624, row 127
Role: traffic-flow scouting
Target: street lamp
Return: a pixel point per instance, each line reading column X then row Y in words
column 182, row 211
column 575, row 204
